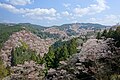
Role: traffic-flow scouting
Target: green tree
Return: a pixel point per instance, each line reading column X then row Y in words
column 60, row 51
column 110, row 33
column 49, row 58
column 98, row 35
column 117, row 36
column 3, row 70
column 104, row 33
column 20, row 55
column 13, row 58
column 64, row 52
column 33, row 57
column 72, row 48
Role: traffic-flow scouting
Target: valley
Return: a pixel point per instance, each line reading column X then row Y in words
column 76, row 51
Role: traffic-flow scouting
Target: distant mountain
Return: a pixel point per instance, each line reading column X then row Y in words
column 74, row 29
column 81, row 25
column 23, row 25
column 32, row 25
column 61, row 27
column 62, row 31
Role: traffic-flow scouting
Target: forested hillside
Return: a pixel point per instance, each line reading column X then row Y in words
column 8, row 29
column 34, row 52
column 97, row 60
column 16, row 49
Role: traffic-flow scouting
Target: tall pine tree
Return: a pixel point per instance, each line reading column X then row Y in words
column 104, row 33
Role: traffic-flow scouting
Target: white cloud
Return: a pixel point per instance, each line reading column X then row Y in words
column 107, row 20
column 36, row 13
column 91, row 9
column 51, row 13
column 20, row 2
column 9, row 8
column 66, row 5
column 66, row 13
column 80, row 11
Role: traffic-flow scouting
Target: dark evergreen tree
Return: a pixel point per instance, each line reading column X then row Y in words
column 104, row 33
column 13, row 58
column 21, row 54
column 117, row 36
column 65, row 52
column 98, row 35
column 72, row 48
column 61, row 52
column 110, row 33
column 50, row 57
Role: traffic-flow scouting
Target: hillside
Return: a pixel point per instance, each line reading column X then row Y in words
column 26, row 49
column 41, row 46
column 27, row 54
column 56, row 31
column 96, row 61
column 82, row 25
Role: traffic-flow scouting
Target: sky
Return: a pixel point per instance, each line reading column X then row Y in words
column 58, row 12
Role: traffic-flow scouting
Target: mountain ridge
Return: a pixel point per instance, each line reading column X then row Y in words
column 50, row 26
